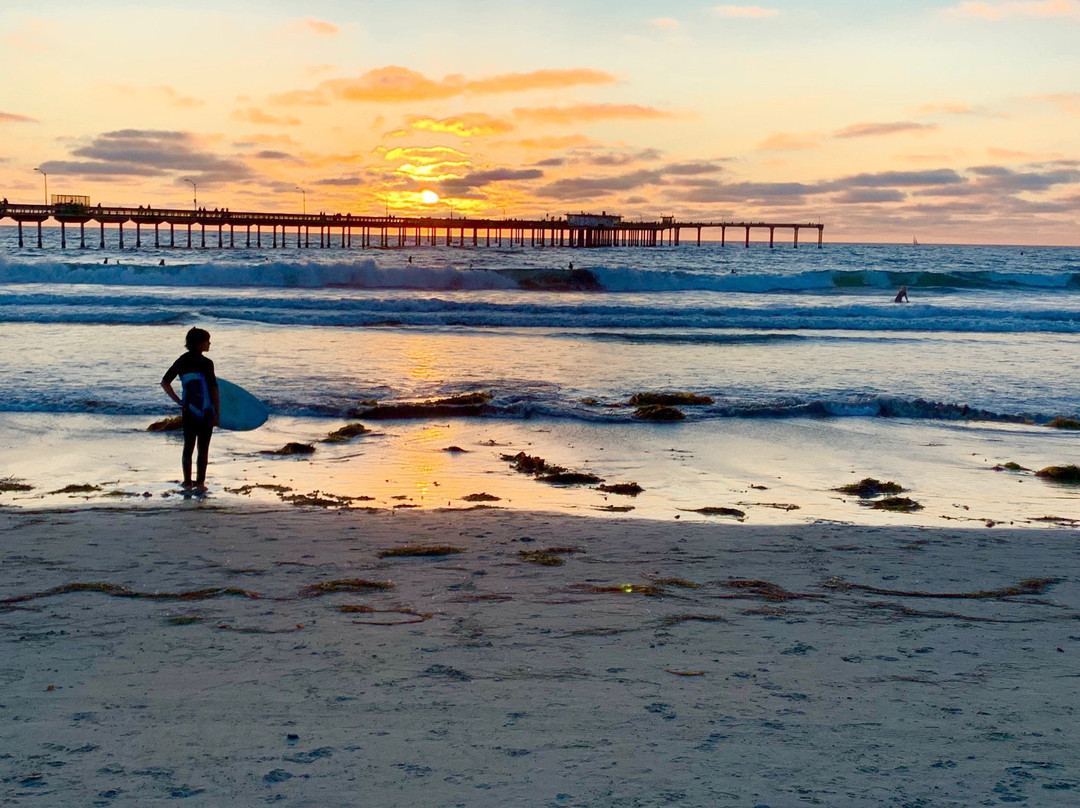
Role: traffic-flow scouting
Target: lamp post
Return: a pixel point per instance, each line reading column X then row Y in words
column 195, row 194
column 451, row 210
column 301, row 190
column 46, row 176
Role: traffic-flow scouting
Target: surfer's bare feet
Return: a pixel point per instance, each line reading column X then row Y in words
column 187, row 484
column 199, row 488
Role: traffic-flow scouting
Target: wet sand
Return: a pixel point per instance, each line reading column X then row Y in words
column 282, row 659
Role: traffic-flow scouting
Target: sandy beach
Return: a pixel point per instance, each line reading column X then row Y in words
column 249, row 656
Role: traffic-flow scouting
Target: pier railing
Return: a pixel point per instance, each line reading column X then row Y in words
column 376, row 231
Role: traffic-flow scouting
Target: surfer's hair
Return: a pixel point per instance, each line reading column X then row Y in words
column 196, row 337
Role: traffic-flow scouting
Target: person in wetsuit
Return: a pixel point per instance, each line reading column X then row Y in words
column 200, row 403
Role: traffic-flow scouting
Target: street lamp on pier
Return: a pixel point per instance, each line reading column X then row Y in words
column 194, row 193
column 301, row 190
column 46, row 176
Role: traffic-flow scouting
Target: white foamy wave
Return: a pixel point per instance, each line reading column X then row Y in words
column 360, row 274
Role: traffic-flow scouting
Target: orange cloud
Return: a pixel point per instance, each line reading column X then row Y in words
column 875, row 129
column 1067, row 102
column 265, row 139
column 784, row 141
column 436, row 172
column 1017, row 8
column 423, row 154
column 253, row 115
column 156, row 94
column 11, row 117
column 177, row 99
column 555, row 143
column 665, row 23
column 746, row 12
column 320, row 27
column 588, row 113
column 475, row 124
column 928, row 158
column 395, row 84
column 951, row 109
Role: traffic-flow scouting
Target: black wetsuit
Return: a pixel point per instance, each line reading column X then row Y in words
column 196, row 374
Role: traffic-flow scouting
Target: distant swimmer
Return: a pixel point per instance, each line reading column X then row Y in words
column 161, row 263
column 105, row 261
column 901, row 296
column 571, row 265
column 410, row 259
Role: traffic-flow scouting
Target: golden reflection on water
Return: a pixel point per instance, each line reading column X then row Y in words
column 421, row 364
column 425, row 458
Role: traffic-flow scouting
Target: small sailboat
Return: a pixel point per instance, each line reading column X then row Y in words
column 914, row 242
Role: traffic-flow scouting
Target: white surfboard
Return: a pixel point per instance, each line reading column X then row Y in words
column 240, row 411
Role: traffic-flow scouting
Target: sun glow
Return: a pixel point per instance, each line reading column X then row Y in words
column 429, row 197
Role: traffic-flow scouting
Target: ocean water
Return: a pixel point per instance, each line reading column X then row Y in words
column 810, row 339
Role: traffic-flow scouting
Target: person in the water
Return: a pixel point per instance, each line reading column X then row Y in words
column 901, row 296
column 200, row 403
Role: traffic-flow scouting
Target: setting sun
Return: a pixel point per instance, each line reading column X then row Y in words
column 429, row 197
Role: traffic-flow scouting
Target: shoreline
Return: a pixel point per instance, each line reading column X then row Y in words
column 771, row 471
column 659, row 663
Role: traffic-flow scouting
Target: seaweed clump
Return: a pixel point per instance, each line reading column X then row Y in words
column 549, row 557
column 481, row 497
column 668, row 399
column 1027, row 586
column 76, row 488
column 1060, row 474
column 896, row 504
column 420, row 550
column 623, row 489
column 173, row 423
column 317, row 499
column 14, row 485
column 548, row 473
column 570, row 478
column 291, row 448
column 343, row 585
column 121, row 591
column 869, row 487
column 648, row 590
column 1010, row 466
column 659, row 412
column 464, row 405
column 713, row 510
column 1064, row 423
column 765, row 589
column 245, row 490
column 346, row 433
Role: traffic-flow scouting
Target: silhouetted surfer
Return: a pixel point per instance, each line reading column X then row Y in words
column 901, row 296
column 200, row 403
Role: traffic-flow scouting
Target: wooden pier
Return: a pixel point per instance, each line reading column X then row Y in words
column 304, row 230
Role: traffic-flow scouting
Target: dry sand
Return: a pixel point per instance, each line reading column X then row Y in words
column 660, row 664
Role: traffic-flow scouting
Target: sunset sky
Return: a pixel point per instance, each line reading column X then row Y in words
column 949, row 121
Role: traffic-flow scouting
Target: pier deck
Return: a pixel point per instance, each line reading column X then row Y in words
column 324, row 230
